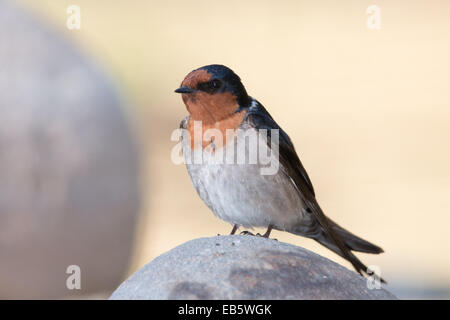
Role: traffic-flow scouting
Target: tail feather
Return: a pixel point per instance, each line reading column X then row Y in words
column 348, row 243
column 353, row 242
column 360, row 267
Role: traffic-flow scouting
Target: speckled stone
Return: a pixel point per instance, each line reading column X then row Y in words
column 244, row 267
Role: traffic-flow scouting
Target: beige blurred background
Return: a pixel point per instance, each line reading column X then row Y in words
column 368, row 112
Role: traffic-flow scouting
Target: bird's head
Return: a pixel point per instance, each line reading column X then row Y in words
column 213, row 93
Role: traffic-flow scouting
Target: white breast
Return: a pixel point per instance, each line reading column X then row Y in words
column 239, row 193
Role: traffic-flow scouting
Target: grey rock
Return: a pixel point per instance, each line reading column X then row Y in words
column 69, row 190
column 244, row 267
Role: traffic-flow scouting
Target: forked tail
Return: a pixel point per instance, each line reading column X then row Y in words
column 352, row 243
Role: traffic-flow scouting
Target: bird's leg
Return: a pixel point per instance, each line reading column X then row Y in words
column 235, row 227
column 267, row 234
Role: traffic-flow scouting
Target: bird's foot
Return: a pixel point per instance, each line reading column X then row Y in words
column 264, row 236
column 247, row 233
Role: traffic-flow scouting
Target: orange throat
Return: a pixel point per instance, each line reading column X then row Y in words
column 224, row 126
column 217, row 111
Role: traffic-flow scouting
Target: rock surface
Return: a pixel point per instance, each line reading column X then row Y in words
column 69, row 190
column 244, row 267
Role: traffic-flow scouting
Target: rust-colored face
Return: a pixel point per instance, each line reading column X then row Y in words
column 208, row 101
column 209, row 107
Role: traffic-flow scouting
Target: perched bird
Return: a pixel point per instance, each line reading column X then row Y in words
column 237, row 192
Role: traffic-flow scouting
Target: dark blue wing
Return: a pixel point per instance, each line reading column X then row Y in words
column 259, row 118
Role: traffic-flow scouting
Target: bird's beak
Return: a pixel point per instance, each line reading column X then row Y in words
column 184, row 89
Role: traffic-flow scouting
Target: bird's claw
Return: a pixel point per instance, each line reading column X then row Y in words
column 264, row 236
column 248, row 233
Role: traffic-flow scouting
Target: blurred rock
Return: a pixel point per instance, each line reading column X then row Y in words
column 244, row 267
column 69, row 191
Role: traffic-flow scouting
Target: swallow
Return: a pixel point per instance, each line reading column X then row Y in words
column 239, row 194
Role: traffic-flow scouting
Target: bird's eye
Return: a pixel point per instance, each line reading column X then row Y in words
column 215, row 84
column 210, row 86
